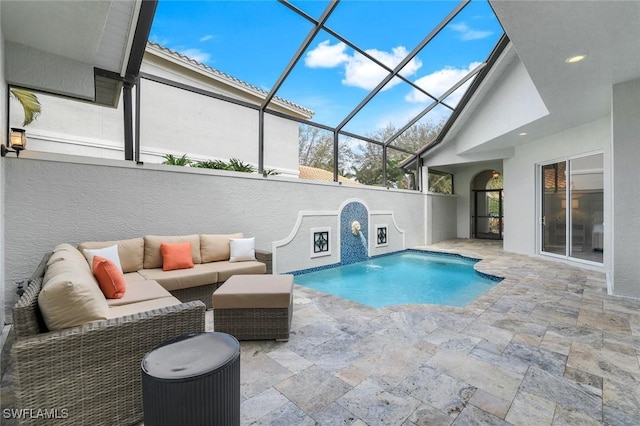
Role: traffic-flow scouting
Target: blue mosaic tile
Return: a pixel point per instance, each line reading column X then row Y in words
column 353, row 248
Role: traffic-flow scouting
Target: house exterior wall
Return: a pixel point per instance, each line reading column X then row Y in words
column 626, row 193
column 172, row 121
column 60, row 198
column 521, row 222
column 441, row 223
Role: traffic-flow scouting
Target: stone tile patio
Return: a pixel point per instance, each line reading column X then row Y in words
column 545, row 346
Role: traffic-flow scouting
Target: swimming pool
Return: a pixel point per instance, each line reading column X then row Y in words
column 403, row 278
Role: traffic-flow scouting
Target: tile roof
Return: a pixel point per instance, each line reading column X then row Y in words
column 313, row 173
column 229, row 78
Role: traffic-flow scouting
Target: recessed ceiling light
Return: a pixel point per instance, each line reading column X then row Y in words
column 522, row 134
column 574, row 59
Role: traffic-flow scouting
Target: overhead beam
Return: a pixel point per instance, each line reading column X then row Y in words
column 303, row 47
column 438, row 101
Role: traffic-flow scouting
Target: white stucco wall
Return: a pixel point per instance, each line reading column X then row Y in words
column 296, row 251
column 504, row 107
column 49, row 202
column 521, row 222
column 29, row 67
column 441, row 213
column 626, row 192
column 68, row 126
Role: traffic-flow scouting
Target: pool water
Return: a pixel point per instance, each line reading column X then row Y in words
column 403, row 278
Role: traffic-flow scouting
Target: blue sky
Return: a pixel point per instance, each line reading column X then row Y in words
column 254, row 41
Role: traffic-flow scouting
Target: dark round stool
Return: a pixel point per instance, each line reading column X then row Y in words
column 193, row 379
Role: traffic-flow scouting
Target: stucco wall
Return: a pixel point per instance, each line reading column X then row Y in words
column 521, row 222
column 49, row 202
column 626, row 198
column 441, row 212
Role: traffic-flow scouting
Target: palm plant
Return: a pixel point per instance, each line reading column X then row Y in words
column 238, row 166
column 176, row 161
column 29, row 102
column 270, row 172
column 212, row 164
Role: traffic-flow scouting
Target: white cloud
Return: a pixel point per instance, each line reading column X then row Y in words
column 438, row 82
column 361, row 72
column 196, row 54
column 326, row 56
column 358, row 70
column 206, row 38
column 467, row 34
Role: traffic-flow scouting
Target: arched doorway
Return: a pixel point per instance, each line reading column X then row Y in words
column 487, row 213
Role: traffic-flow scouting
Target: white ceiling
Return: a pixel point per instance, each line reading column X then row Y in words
column 95, row 32
column 546, row 33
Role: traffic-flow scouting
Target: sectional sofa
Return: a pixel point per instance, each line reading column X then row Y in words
column 79, row 353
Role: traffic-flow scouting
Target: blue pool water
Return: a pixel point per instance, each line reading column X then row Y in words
column 403, row 278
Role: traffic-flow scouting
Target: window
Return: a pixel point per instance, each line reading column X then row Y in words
column 572, row 207
column 440, row 182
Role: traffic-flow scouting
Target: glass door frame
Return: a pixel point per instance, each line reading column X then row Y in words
column 500, row 217
column 540, row 216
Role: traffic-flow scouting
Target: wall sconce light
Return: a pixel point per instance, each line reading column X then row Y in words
column 495, row 174
column 17, row 142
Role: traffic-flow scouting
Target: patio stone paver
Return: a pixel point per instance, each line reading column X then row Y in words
column 547, row 345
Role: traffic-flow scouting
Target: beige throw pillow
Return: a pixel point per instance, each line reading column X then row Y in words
column 216, row 247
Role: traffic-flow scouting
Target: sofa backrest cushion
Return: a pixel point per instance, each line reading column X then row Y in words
column 153, row 255
column 66, row 252
column 215, row 247
column 131, row 252
column 70, row 296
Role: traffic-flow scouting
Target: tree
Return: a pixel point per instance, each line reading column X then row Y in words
column 368, row 161
column 315, row 149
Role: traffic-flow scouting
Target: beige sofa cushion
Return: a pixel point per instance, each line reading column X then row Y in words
column 214, row 247
column 140, row 291
column 70, row 253
column 201, row 274
column 147, row 305
column 153, row 256
column 227, row 269
column 130, row 252
column 131, row 277
column 70, row 297
column 254, row 292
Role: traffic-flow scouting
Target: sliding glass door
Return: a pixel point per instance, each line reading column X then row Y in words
column 572, row 208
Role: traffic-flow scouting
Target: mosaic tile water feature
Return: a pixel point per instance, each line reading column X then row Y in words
column 354, row 248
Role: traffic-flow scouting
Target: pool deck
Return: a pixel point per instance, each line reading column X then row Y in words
column 544, row 346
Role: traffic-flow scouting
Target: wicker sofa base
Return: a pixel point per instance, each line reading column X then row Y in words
column 201, row 293
column 254, row 323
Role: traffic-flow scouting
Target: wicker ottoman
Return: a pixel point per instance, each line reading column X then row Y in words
column 253, row 307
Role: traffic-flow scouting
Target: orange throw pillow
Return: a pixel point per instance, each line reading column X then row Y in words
column 109, row 278
column 176, row 256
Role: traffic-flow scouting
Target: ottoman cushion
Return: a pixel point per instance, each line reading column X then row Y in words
column 254, row 291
